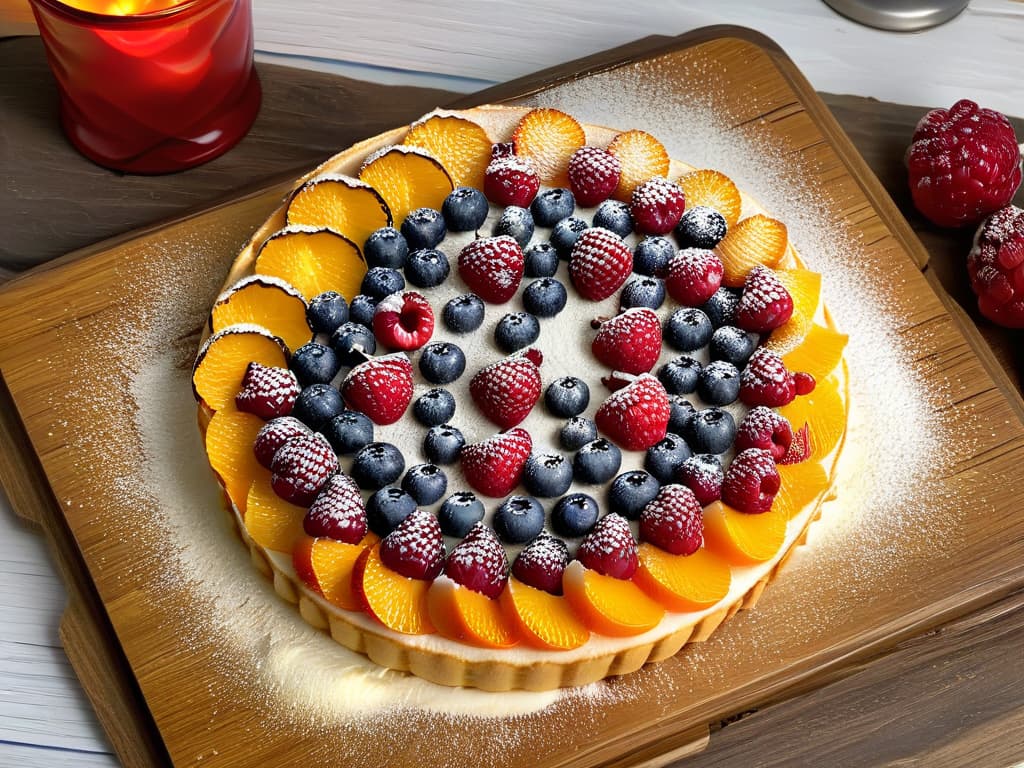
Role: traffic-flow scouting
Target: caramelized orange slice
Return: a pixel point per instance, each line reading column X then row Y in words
column 470, row 617
column 348, row 206
column 824, row 413
column 461, row 145
column 396, row 601
column 715, row 190
column 222, row 361
column 818, row 354
column 607, row 605
column 266, row 301
column 800, row 484
column 542, row 620
column 642, row 156
column 272, row 522
column 326, row 566
column 230, row 436
column 408, row 178
column 754, row 240
column 313, row 260
column 683, row 582
column 804, row 287
column 549, row 138
column 740, row 538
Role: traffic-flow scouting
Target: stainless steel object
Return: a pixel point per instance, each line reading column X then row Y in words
column 899, row 15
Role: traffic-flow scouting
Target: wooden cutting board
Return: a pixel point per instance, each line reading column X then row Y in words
column 77, row 336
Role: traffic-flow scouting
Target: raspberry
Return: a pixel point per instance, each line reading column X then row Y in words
column 804, row 382
column 800, row 449
column 415, row 548
column 702, row 474
column 506, row 391
column 751, row 481
column 673, row 521
column 765, row 304
column 657, row 206
column 478, row 562
column 511, row 181
column 963, row 164
column 493, row 267
column 267, row 392
column 765, row 381
column 630, row 341
column 610, row 548
column 765, row 429
column 380, row 388
column 593, row 175
column 301, row 467
column 599, row 263
column 338, row 511
column 541, row 563
column 694, row 275
column 403, row 321
column 493, row 466
column 635, row 417
column 274, row 434
column 996, row 267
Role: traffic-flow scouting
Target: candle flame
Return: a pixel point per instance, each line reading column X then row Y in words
column 122, row 7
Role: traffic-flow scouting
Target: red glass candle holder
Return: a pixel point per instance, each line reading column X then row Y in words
column 152, row 90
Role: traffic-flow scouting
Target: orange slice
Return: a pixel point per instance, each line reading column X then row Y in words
column 461, row 145
column 396, row 601
column 266, row 301
column 408, row 178
column 326, row 566
column 715, row 190
column 824, row 413
column 230, row 436
column 800, row 484
column 272, row 522
column 348, row 206
column 683, row 582
column 609, row 606
column 740, row 538
column 642, row 156
column 804, row 287
column 549, row 138
column 818, row 354
column 543, row 620
column 754, row 240
column 222, row 361
column 313, row 260
column 470, row 617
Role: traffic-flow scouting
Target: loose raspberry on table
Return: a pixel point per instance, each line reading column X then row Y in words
column 996, row 267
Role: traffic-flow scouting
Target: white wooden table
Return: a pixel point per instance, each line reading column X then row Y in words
column 45, row 719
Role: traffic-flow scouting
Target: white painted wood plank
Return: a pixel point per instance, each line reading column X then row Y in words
column 32, row 756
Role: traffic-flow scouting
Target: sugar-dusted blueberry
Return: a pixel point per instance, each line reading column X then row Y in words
column 577, row 432
column 574, row 515
column 516, row 330
column 545, row 297
column 464, row 313
column 423, row 228
column 386, row 247
column 565, row 233
column 427, row 268
column 434, row 407
column 679, row 375
column 381, row 281
column 442, row 362
column 540, row 260
column 519, row 519
column 361, row 309
column 317, row 404
column 517, row 223
column 733, row 345
column 567, row 396
column 326, row 312
column 551, row 206
column 687, row 329
column 700, row 227
column 460, row 512
column 376, row 465
column 630, row 492
column 614, row 215
column 680, row 412
column 642, row 292
column 652, row 255
column 426, row 483
column 547, row 475
column 711, row 430
column 597, row 462
column 719, row 383
column 352, row 342
column 348, row 432
column 443, row 443
column 721, row 307
column 314, row 363
column 666, row 456
column 387, row 508
column 465, row 209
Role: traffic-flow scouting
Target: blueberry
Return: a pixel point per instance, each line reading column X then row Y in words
column 443, row 443
column 348, row 432
column 688, row 330
column 423, row 228
column 711, row 430
column 733, row 345
column 361, row 309
column 442, row 362
column 352, row 342
column 547, row 475
column 314, row 363
column 574, row 515
column 630, row 492
column 719, row 383
column 614, row 215
column 460, row 512
column 681, row 411
column 427, row 268
column 516, row 330
column 465, row 209
column 317, row 404
column 700, row 227
column 666, row 456
column 679, row 375
column 541, row 260
column 642, row 292
column 326, row 312
column 652, row 255
column 545, row 297
column 577, row 432
column 426, row 483
column 381, row 281
column 464, row 314
column 564, row 235
column 376, row 465
column 597, row 461
column 386, row 247
column 567, row 396
column 387, row 508
column 519, row 519
column 434, row 407
column 721, row 307
column 517, row 223
column 551, row 206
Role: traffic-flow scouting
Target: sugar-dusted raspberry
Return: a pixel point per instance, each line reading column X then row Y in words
column 765, row 380
column 610, row 548
column 301, row 467
column 657, row 206
column 593, row 175
column 267, row 392
column 415, row 548
column 765, row 429
column 996, row 267
column 751, row 481
column 478, row 562
column 274, row 434
column 541, row 563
